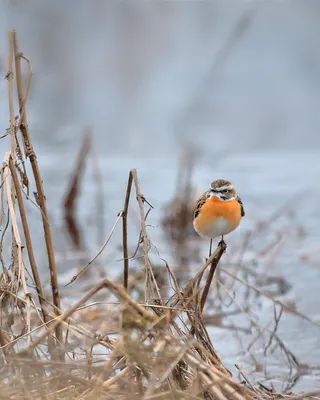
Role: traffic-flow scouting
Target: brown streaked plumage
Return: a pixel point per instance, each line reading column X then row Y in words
column 218, row 211
column 202, row 199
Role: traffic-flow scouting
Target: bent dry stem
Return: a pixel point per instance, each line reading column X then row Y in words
column 40, row 196
column 215, row 261
column 28, row 240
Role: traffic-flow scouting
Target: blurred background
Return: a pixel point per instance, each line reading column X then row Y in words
column 236, row 83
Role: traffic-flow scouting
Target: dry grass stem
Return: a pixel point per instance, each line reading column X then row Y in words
column 152, row 291
column 73, row 192
column 125, row 233
column 28, row 240
column 40, row 196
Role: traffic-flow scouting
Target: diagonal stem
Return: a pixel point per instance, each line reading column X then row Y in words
column 218, row 254
column 125, row 234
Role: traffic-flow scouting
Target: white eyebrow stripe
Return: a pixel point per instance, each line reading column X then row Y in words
column 226, row 187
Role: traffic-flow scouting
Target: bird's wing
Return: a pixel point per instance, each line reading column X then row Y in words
column 241, row 205
column 200, row 202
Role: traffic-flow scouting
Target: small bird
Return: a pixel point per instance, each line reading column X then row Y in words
column 218, row 211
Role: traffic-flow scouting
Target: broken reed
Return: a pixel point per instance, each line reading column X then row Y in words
column 20, row 124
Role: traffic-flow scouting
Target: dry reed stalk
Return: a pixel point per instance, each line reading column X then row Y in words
column 16, row 235
column 73, row 191
column 100, row 206
column 28, row 241
column 13, row 129
column 186, row 297
column 40, row 197
column 15, row 183
column 10, row 74
column 218, row 254
column 201, row 300
column 125, row 233
column 187, row 291
column 151, row 287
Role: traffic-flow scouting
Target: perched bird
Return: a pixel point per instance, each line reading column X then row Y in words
column 218, row 211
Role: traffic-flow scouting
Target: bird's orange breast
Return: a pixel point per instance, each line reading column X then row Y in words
column 215, row 208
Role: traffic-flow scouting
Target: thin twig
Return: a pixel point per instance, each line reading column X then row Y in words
column 267, row 295
column 99, row 252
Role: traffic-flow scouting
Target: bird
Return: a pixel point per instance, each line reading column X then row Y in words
column 218, row 211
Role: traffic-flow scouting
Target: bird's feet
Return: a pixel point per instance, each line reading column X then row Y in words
column 222, row 244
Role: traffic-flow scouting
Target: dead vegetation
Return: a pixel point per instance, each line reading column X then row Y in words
column 109, row 345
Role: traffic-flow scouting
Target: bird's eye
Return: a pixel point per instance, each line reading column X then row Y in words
column 224, row 191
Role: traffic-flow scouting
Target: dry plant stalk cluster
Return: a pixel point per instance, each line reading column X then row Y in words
column 160, row 350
